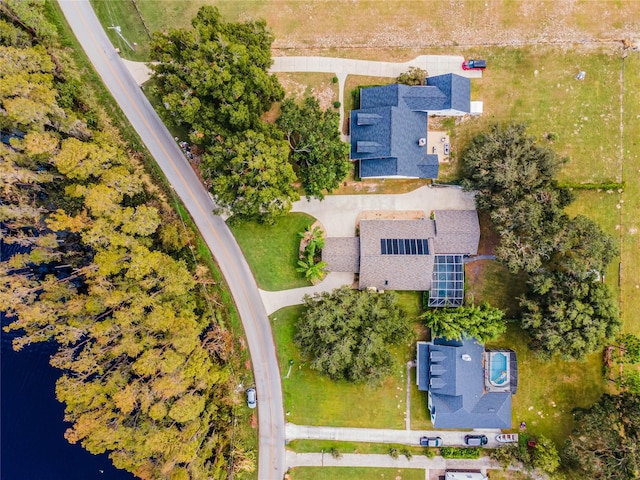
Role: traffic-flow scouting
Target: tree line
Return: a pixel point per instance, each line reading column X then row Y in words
column 101, row 271
column 213, row 78
column 567, row 310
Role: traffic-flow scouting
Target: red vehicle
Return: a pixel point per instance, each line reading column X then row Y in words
column 474, row 65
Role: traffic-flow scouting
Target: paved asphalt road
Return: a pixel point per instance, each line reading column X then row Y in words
column 215, row 232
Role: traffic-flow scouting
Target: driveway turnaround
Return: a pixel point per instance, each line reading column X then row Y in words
column 384, row 435
column 338, row 213
column 215, row 232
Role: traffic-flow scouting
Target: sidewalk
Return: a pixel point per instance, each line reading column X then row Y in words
column 294, row 459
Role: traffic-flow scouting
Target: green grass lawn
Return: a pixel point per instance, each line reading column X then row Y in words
column 313, row 399
column 537, row 86
column 601, row 207
column 549, row 390
column 310, row 446
column 272, row 250
column 489, row 281
column 356, row 473
column 124, row 15
column 630, row 225
column 420, row 419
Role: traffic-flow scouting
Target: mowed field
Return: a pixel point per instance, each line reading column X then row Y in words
column 383, row 24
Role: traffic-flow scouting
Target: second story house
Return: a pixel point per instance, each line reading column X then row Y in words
column 467, row 387
column 389, row 130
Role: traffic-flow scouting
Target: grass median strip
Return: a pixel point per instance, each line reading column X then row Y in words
column 355, row 473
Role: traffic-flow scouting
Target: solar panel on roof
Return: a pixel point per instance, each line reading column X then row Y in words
column 404, row 246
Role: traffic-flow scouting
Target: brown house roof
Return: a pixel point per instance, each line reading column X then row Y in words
column 457, row 231
column 342, row 254
column 395, row 272
column 452, row 232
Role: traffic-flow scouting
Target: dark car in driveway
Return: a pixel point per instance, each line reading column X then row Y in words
column 475, row 440
column 430, row 441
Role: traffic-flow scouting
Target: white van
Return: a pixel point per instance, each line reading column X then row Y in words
column 465, row 476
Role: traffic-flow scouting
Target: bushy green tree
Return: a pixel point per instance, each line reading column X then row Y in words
column 413, row 76
column 482, row 322
column 568, row 316
column 606, row 441
column 316, row 148
column 214, row 76
column 347, row 334
column 250, row 176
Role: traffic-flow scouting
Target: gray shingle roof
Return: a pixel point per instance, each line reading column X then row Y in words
column 457, row 386
column 457, row 231
column 342, row 254
column 455, row 88
column 394, row 272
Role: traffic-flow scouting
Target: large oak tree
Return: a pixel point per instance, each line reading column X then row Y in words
column 213, row 76
column 321, row 156
column 348, row 334
column 606, row 441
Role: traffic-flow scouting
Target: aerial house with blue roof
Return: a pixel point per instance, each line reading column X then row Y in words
column 389, row 131
column 467, row 387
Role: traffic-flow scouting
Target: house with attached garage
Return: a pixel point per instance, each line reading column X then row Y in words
column 425, row 253
column 389, row 132
column 467, row 387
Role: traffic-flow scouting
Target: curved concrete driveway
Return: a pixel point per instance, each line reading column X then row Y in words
column 338, row 213
column 215, row 232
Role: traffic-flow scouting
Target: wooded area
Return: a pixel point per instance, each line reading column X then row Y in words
column 214, row 79
column 99, row 269
column 567, row 310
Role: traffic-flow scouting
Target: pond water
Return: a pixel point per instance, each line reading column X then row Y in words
column 32, row 444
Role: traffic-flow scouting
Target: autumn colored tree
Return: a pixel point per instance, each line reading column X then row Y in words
column 145, row 367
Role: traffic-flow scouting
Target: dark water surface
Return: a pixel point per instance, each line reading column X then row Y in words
column 32, row 424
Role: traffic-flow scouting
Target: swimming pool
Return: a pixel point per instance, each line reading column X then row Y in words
column 499, row 370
